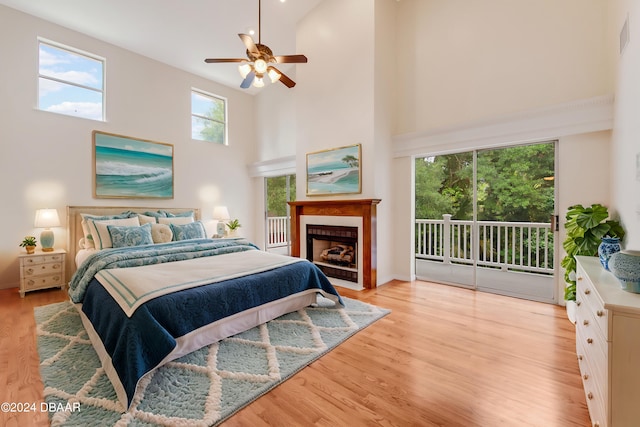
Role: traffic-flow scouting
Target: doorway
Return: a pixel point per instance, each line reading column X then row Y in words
column 278, row 191
column 484, row 220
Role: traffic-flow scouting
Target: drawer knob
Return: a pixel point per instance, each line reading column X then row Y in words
column 587, row 291
column 579, row 278
column 590, row 395
column 590, row 340
column 578, row 303
column 600, row 313
column 585, row 323
column 31, row 282
column 30, row 270
column 579, row 357
column 56, row 266
column 585, row 376
column 596, row 424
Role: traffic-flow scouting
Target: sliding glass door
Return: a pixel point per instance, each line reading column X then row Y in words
column 483, row 220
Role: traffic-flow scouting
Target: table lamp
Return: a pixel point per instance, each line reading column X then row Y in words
column 47, row 218
column 221, row 213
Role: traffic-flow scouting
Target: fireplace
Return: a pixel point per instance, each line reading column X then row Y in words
column 334, row 249
column 343, row 216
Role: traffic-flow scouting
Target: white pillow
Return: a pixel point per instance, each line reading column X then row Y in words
column 176, row 220
column 144, row 219
column 88, row 238
column 100, row 233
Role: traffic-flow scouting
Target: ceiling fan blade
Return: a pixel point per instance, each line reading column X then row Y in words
column 218, row 60
column 291, row 59
column 284, row 78
column 248, row 80
column 249, row 44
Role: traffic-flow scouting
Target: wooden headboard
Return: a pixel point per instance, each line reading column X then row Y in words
column 74, row 225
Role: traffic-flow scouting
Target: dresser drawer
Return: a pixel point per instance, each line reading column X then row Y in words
column 40, row 282
column 589, row 299
column 41, row 269
column 41, row 259
column 595, row 390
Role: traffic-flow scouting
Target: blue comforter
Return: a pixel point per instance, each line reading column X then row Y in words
column 138, row 344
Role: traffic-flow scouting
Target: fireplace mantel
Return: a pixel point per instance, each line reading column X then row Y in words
column 363, row 208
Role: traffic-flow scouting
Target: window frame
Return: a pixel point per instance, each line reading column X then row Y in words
column 214, row 97
column 81, row 53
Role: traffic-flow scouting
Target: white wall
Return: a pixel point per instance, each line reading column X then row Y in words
column 46, row 158
column 626, row 135
column 345, row 97
column 462, row 61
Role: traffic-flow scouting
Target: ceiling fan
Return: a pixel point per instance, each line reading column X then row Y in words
column 260, row 58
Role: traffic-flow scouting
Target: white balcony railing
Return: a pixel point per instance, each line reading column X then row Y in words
column 277, row 231
column 514, row 246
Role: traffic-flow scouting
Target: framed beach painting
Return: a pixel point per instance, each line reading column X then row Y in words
column 131, row 168
column 334, row 171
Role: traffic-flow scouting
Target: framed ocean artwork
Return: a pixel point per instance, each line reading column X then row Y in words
column 334, row 171
column 131, row 168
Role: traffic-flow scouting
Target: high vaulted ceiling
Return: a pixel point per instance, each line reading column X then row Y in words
column 181, row 33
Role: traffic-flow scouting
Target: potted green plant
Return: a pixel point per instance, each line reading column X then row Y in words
column 29, row 243
column 233, row 225
column 585, row 229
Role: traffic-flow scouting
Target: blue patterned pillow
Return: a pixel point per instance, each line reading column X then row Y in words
column 122, row 236
column 175, row 215
column 192, row 230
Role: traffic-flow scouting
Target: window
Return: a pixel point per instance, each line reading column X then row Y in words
column 70, row 82
column 208, row 117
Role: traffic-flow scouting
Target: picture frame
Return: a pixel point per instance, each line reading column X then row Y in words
column 335, row 171
column 132, row 168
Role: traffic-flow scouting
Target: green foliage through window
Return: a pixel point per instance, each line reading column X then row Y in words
column 208, row 117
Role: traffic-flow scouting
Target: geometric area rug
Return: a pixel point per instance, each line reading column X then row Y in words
column 202, row 388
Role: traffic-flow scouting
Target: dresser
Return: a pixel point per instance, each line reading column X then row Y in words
column 608, row 346
column 42, row 270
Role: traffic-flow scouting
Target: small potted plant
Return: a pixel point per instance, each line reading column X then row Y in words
column 29, row 243
column 233, row 225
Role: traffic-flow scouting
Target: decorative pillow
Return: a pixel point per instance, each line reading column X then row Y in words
column 177, row 220
column 122, row 236
column 161, row 233
column 192, row 230
column 147, row 219
column 88, row 238
column 100, row 233
column 156, row 215
column 180, row 214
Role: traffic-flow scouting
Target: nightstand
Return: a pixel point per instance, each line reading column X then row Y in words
column 42, row 270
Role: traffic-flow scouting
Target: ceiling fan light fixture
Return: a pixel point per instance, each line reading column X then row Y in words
column 244, row 69
column 260, row 66
column 274, row 75
column 258, row 82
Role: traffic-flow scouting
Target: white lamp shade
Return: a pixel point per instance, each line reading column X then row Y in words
column 46, row 218
column 221, row 213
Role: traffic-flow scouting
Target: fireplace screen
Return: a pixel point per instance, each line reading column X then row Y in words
column 334, row 249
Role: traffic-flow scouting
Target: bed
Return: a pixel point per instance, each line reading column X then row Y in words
column 145, row 303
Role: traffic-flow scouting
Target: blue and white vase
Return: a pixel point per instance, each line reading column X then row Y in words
column 608, row 247
column 625, row 265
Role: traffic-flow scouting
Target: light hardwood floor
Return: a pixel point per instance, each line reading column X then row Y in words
column 444, row 357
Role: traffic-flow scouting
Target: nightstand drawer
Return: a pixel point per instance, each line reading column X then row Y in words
column 41, row 269
column 41, row 259
column 43, row 282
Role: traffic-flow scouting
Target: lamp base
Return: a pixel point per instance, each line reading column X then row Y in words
column 46, row 239
column 220, row 229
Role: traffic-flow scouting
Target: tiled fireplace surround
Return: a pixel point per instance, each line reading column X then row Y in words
column 359, row 213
